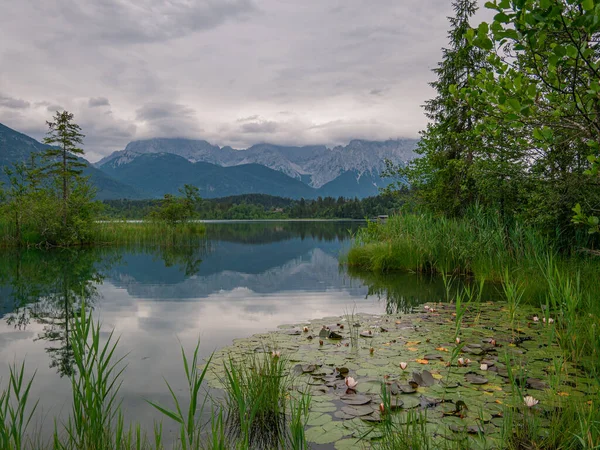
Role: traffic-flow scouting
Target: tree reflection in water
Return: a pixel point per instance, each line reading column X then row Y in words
column 51, row 287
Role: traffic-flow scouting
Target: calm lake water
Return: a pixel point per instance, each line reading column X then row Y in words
column 244, row 278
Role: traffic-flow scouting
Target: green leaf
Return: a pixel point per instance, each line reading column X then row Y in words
column 470, row 34
column 547, row 133
column 587, row 5
column 501, row 18
column 514, row 104
column 482, row 30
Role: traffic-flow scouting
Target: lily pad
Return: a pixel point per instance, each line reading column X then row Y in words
column 357, row 410
column 475, row 379
column 355, row 399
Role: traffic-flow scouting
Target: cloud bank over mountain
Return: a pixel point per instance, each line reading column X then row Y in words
column 237, row 72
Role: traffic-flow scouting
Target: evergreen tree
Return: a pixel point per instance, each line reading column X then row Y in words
column 65, row 137
column 448, row 146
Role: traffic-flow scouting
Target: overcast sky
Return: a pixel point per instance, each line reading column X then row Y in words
column 233, row 72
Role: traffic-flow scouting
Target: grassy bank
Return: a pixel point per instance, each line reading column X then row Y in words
column 103, row 233
column 478, row 245
column 147, row 233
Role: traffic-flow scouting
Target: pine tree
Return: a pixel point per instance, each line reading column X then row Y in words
column 65, row 137
column 448, row 145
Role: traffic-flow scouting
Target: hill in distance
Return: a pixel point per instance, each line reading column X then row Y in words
column 18, row 147
column 154, row 167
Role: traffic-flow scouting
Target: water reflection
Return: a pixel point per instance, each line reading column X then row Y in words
column 244, row 278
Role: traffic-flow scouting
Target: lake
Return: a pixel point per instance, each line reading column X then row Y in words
column 243, row 278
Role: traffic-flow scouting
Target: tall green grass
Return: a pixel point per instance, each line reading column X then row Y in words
column 115, row 232
column 147, row 233
column 260, row 411
column 478, row 245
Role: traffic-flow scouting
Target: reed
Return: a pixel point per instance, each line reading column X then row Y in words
column 147, row 233
column 256, row 390
column 190, row 430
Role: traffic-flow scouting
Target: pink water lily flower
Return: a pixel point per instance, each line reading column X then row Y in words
column 530, row 401
column 350, row 382
column 403, row 365
column 457, row 340
column 275, row 354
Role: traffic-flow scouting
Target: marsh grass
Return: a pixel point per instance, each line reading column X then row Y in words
column 147, row 233
column 478, row 245
column 15, row 416
column 115, row 232
column 190, row 430
column 350, row 317
column 256, row 401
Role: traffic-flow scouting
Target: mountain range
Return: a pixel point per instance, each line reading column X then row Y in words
column 151, row 168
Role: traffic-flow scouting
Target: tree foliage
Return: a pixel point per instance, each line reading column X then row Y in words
column 46, row 200
column 176, row 210
column 443, row 175
column 515, row 124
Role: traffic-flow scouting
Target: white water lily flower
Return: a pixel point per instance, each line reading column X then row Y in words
column 530, row 401
column 350, row 382
column 536, row 319
column 464, row 361
column 275, row 354
column 403, row 365
column 457, row 340
column 483, row 366
column 550, row 320
column 305, row 329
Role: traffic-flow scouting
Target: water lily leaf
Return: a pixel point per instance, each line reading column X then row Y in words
column 535, row 383
column 427, row 378
column 355, row 399
column 321, row 435
column 475, row 379
column 357, row 410
column 347, row 444
column 406, row 389
column 307, row 368
column 410, row 401
column 315, row 419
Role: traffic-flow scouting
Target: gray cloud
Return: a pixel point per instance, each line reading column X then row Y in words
column 223, row 70
column 13, row 103
column 53, row 108
column 98, row 101
column 266, row 126
column 145, row 21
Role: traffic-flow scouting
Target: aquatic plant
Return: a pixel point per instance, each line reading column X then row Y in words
column 256, row 387
column 190, row 431
column 15, row 416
